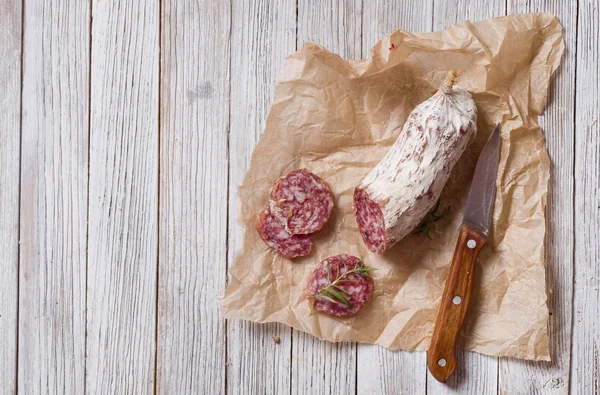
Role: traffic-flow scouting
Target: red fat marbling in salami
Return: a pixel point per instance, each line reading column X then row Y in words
column 399, row 191
column 340, row 286
column 301, row 201
column 275, row 236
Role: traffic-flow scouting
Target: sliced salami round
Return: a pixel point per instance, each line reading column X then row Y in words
column 301, row 201
column 340, row 286
column 275, row 236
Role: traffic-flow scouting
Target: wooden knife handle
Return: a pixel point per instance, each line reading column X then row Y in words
column 455, row 300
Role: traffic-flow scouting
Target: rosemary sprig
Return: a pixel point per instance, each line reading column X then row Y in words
column 334, row 292
column 427, row 227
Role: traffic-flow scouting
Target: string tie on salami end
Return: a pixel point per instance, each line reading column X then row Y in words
column 450, row 80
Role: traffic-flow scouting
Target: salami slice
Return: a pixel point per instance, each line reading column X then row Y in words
column 340, row 286
column 301, row 201
column 275, row 236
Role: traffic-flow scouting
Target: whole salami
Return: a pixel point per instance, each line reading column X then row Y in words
column 404, row 186
column 340, row 286
column 275, row 236
column 301, row 201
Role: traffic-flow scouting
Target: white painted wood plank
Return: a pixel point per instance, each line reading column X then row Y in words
column 263, row 33
column 337, row 27
column 10, row 132
column 123, row 201
column 517, row 376
column 382, row 17
column 447, row 13
column 585, row 368
column 475, row 374
column 320, row 367
column 54, row 186
column 381, row 371
column 194, row 123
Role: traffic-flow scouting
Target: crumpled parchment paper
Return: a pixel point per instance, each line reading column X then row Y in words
column 338, row 119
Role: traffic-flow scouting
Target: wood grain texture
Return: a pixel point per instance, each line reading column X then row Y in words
column 517, row 376
column 123, row 201
column 193, row 180
column 263, row 33
column 320, row 367
column 54, row 187
column 161, row 233
column 475, row 373
column 446, row 13
column 441, row 359
column 338, row 27
column 10, row 132
column 381, row 17
column 379, row 370
column 585, row 368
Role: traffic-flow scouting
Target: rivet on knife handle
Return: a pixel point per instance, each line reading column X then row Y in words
column 441, row 359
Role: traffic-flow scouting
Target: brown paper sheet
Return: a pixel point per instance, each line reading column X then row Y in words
column 338, row 118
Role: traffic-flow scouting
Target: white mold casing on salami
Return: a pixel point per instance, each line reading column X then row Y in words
column 404, row 186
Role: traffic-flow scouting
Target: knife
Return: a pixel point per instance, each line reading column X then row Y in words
column 472, row 236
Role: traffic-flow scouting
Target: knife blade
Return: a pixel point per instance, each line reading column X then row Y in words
column 480, row 201
column 472, row 236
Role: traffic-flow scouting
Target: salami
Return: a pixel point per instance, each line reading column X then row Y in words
column 301, row 201
column 275, row 236
column 340, row 286
column 399, row 191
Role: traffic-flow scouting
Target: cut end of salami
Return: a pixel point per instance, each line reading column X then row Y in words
column 370, row 221
column 340, row 286
column 275, row 236
column 301, row 201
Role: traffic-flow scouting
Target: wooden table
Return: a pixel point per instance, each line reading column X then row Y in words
column 125, row 128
